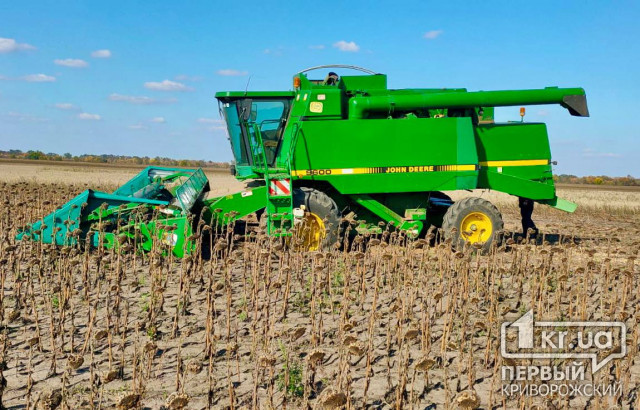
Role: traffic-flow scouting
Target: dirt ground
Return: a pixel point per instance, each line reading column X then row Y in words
column 385, row 323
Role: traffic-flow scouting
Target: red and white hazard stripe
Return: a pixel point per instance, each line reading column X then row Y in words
column 280, row 187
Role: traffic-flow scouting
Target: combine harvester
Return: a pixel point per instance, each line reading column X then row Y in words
column 334, row 146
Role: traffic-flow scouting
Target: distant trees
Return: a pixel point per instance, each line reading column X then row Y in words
column 110, row 159
column 35, row 155
column 597, row 180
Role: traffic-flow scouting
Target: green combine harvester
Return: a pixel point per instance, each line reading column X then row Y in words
column 335, row 147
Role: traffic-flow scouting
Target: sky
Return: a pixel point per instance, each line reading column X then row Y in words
column 139, row 78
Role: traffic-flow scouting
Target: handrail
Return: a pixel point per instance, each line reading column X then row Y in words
column 350, row 67
column 292, row 146
column 256, row 130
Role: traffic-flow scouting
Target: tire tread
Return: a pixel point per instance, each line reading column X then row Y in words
column 452, row 217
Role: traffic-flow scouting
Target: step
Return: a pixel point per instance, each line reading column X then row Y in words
column 279, row 176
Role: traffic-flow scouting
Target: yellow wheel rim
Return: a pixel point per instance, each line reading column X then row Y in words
column 313, row 231
column 476, row 228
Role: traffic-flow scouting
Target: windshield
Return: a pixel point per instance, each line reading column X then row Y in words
column 269, row 115
column 238, row 145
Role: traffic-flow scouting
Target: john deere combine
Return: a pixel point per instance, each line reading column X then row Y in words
column 336, row 146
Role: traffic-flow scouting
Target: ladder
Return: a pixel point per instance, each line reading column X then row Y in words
column 279, row 204
column 279, row 209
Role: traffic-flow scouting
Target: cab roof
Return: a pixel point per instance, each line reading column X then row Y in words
column 253, row 94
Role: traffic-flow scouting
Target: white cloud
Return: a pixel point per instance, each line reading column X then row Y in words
column 542, row 113
column 31, row 78
column 89, row 117
column 349, row 46
column 101, row 54
column 141, row 100
column 212, row 124
column 184, row 77
column 71, row 62
column 432, row 34
column 25, row 117
column 65, row 106
column 591, row 153
column 132, row 99
column 231, row 72
column 167, row 85
column 317, row 47
column 38, row 78
column 209, row 121
column 159, row 120
column 138, row 127
column 278, row 51
column 9, row 45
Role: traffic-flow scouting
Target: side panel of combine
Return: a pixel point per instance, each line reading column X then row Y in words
column 505, row 164
column 388, row 155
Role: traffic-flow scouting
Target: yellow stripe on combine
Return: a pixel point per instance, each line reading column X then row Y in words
column 463, row 167
column 383, row 170
column 416, row 168
column 517, row 163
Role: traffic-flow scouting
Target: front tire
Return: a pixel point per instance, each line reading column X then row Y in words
column 472, row 221
column 322, row 218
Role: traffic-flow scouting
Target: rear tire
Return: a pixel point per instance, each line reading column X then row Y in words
column 472, row 221
column 323, row 207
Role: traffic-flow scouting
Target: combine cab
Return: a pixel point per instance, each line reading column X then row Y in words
column 338, row 146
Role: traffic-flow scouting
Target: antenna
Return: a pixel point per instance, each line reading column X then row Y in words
column 247, row 87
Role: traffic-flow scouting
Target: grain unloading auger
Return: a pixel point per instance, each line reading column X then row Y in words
column 345, row 146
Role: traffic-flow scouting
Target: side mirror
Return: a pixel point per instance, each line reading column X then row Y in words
column 246, row 109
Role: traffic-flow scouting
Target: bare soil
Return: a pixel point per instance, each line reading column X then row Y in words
column 384, row 323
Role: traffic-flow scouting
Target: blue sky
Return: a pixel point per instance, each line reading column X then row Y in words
column 138, row 78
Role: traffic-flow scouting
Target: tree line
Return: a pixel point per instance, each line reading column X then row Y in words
column 597, row 180
column 110, row 159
